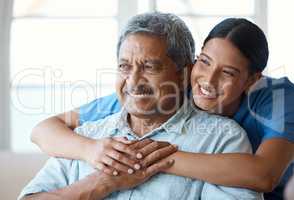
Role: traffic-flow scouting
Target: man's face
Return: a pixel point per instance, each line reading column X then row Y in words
column 148, row 82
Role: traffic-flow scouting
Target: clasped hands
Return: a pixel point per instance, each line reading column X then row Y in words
column 128, row 163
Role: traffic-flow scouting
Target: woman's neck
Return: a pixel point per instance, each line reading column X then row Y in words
column 232, row 108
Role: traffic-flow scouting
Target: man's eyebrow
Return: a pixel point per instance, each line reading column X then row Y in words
column 153, row 61
column 123, row 60
column 204, row 54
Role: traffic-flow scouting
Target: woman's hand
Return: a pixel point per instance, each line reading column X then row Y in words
column 112, row 155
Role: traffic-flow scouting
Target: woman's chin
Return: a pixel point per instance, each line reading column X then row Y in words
column 204, row 105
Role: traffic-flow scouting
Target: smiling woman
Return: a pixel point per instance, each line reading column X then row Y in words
column 219, row 77
column 228, row 65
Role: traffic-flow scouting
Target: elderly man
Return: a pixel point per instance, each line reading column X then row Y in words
column 154, row 51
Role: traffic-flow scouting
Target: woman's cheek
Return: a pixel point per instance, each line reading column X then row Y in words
column 231, row 92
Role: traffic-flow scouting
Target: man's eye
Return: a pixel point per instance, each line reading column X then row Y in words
column 123, row 67
column 228, row 73
column 149, row 67
column 152, row 68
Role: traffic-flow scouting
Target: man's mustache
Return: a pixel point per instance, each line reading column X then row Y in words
column 140, row 89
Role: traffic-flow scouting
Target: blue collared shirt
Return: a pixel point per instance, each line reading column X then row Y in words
column 266, row 113
column 191, row 129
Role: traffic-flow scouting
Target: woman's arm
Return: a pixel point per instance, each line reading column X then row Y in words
column 260, row 172
column 55, row 136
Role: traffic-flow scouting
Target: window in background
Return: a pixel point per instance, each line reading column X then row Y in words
column 202, row 15
column 280, row 37
column 62, row 56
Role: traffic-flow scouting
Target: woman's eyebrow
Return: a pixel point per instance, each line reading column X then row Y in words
column 204, row 54
column 233, row 68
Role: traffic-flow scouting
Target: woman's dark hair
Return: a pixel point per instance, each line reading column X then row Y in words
column 247, row 37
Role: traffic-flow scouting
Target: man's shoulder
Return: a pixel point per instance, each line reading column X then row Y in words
column 219, row 134
column 215, row 121
column 216, row 124
column 99, row 128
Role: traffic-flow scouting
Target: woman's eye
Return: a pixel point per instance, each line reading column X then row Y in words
column 206, row 62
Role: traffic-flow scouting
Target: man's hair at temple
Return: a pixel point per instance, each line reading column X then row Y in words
column 179, row 40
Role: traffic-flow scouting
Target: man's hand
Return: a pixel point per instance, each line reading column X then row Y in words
column 114, row 155
column 127, row 181
column 111, row 155
column 152, row 151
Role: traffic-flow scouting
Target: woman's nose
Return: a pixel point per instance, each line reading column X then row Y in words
column 212, row 78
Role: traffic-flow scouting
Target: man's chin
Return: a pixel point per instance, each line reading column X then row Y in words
column 139, row 111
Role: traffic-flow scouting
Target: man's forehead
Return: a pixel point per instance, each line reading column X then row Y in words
column 143, row 42
column 146, row 60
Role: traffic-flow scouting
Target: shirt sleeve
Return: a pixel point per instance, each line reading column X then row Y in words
column 277, row 116
column 215, row 192
column 232, row 139
column 273, row 109
column 99, row 108
column 52, row 176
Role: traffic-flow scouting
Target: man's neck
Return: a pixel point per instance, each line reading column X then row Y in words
column 141, row 126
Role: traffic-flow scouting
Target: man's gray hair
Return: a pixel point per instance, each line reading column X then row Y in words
column 179, row 40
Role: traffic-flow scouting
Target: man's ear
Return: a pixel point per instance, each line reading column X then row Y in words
column 252, row 79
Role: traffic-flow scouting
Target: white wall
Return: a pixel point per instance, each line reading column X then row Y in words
column 16, row 170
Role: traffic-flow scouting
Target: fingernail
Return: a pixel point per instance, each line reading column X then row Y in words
column 171, row 161
column 115, row 173
column 176, row 146
column 137, row 166
column 130, row 171
column 139, row 155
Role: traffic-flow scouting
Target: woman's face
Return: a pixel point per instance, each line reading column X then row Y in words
column 219, row 77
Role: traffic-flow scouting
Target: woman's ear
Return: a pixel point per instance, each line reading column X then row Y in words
column 252, row 79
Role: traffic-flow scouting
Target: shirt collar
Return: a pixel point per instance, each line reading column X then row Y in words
column 175, row 124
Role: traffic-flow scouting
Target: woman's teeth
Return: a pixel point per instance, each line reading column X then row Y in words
column 207, row 93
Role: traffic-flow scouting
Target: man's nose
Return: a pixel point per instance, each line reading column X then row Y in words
column 135, row 76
